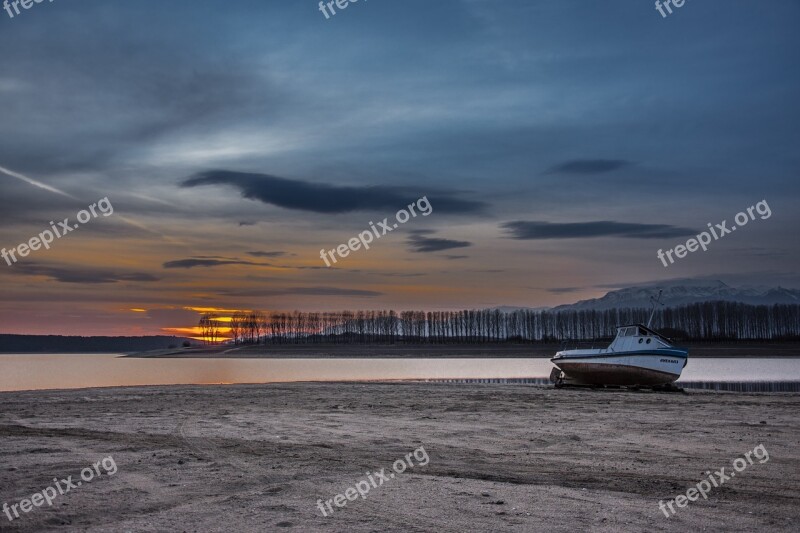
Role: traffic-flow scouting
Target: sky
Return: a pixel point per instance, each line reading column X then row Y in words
column 559, row 144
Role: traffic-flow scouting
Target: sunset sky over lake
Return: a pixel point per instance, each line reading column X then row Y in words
column 560, row 146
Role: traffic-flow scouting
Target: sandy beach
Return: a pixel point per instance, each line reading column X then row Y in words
column 517, row 458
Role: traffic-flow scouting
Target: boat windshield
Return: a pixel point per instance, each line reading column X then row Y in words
column 641, row 331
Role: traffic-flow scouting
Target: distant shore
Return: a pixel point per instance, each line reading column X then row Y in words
column 434, row 351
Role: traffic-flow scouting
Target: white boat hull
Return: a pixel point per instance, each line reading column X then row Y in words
column 642, row 369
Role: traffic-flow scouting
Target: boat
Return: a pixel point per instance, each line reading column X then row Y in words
column 637, row 357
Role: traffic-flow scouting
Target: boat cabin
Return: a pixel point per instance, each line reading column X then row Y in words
column 637, row 337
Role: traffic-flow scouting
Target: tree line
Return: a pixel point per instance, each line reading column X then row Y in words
column 695, row 322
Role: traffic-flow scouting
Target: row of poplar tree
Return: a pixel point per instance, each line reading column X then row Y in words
column 701, row 321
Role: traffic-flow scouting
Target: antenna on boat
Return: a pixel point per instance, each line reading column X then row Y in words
column 655, row 301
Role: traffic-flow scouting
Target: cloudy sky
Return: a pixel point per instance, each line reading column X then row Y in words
column 560, row 144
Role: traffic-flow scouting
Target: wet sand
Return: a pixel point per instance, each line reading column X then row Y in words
column 502, row 458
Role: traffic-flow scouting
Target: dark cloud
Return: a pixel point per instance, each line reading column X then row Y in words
column 267, row 254
column 81, row 274
column 588, row 166
column 205, row 262
column 316, row 268
column 215, row 261
column 451, row 257
column 304, row 291
column 324, row 198
column 418, row 242
column 538, row 230
column 170, row 317
column 564, row 290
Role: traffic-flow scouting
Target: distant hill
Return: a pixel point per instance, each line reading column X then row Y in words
column 683, row 292
column 63, row 344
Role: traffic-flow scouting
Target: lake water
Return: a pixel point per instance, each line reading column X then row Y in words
column 70, row 371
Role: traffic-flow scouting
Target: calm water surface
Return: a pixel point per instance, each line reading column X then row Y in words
column 70, row 371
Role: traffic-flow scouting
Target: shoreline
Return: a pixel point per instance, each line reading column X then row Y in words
column 446, row 351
